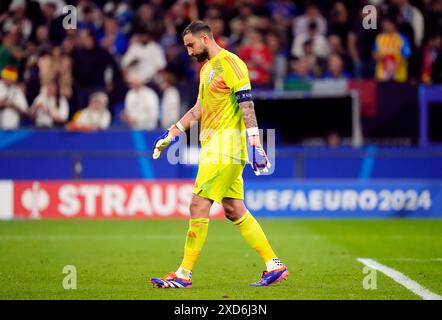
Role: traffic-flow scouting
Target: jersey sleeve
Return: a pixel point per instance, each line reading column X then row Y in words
column 236, row 75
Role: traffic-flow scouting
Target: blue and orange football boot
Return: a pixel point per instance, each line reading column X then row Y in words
column 171, row 281
column 271, row 277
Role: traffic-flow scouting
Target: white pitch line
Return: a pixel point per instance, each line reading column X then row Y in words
column 402, row 279
column 413, row 259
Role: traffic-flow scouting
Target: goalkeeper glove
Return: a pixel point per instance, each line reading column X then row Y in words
column 260, row 163
column 164, row 140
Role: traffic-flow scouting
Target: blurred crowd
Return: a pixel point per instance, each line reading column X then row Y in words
column 130, row 53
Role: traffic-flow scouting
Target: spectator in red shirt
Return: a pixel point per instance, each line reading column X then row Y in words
column 431, row 52
column 258, row 58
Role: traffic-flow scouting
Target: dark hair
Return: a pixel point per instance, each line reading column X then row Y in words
column 197, row 27
column 89, row 32
column 310, row 5
column 312, row 25
column 390, row 18
column 143, row 29
column 88, row 9
column 307, row 42
column 392, row 15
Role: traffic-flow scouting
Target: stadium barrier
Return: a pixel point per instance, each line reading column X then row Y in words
column 123, row 155
column 428, row 95
column 141, row 199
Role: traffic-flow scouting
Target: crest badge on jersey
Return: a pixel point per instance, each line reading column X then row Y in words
column 211, row 76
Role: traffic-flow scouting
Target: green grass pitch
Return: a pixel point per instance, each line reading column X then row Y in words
column 114, row 259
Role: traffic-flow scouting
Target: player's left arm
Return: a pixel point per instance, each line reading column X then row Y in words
column 236, row 77
column 260, row 162
column 249, row 116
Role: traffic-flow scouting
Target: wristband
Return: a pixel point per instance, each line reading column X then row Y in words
column 253, row 131
column 180, row 126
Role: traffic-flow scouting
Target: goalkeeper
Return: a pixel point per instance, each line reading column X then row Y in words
column 226, row 111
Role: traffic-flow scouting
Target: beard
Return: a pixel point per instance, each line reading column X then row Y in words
column 202, row 56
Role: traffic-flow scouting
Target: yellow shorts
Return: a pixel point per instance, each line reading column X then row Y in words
column 218, row 181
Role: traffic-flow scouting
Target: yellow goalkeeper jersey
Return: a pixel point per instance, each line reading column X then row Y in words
column 222, row 135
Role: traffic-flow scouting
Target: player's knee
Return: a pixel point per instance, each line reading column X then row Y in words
column 231, row 212
column 195, row 209
column 198, row 209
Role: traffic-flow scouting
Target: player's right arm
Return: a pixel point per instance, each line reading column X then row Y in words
column 191, row 117
column 186, row 122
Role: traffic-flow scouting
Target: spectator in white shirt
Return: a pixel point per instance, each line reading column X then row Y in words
column 95, row 117
column 145, row 57
column 13, row 102
column 320, row 43
column 312, row 14
column 141, row 105
column 15, row 17
column 49, row 108
column 170, row 102
column 414, row 17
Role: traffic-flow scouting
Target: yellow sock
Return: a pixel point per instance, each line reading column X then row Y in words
column 196, row 236
column 252, row 232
